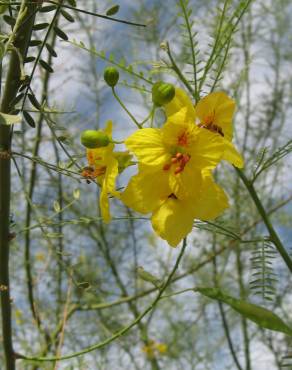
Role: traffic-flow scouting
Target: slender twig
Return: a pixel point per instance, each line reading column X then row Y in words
column 125, row 109
column 177, row 70
column 100, row 15
column 273, row 234
column 192, row 45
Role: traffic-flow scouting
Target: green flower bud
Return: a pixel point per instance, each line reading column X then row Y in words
column 162, row 93
column 94, row 139
column 111, row 76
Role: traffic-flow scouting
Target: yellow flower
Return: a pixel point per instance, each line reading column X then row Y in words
column 173, row 213
column 179, row 151
column 154, row 348
column 161, row 347
column 103, row 166
column 214, row 112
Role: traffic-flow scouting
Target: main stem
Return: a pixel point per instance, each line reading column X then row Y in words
column 25, row 20
column 4, row 245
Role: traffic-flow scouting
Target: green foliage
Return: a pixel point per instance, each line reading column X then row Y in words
column 279, row 154
column 263, row 278
column 261, row 316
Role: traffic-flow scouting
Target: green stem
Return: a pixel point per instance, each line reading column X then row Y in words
column 273, row 234
column 178, row 72
column 192, row 45
column 100, row 15
column 125, row 109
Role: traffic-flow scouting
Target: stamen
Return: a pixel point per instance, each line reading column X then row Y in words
column 174, row 160
column 179, row 155
column 186, row 158
column 183, row 139
column 178, row 170
column 166, row 167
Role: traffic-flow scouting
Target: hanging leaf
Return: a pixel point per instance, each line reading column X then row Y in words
column 84, row 285
column 40, row 26
column 46, row 66
column 261, row 316
column 47, row 9
column 72, row 3
column 61, row 33
column 67, row 16
column 9, row 20
column 34, row 101
column 51, row 51
column 28, row 59
column 113, row 10
column 9, row 119
column 33, row 43
column 29, row 119
column 16, row 99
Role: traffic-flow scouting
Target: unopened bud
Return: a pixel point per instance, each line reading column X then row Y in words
column 94, row 139
column 162, row 93
column 111, row 76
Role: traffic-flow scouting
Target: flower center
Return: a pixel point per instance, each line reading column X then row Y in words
column 179, row 160
column 182, row 140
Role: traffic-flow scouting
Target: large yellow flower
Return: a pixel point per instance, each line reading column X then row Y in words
column 214, row 112
column 178, row 152
column 103, row 166
column 173, row 213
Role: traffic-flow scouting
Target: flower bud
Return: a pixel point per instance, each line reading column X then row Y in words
column 162, row 93
column 111, row 76
column 94, row 139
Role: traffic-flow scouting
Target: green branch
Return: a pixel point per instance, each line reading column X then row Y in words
column 273, row 234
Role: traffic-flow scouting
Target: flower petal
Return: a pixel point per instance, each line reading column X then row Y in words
column 108, row 186
column 108, row 128
column 95, row 156
column 231, row 155
column 211, row 202
column 219, row 106
column 173, row 220
column 186, row 183
column 147, row 146
column 146, row 190
column 207, row 151
column 180, row 100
